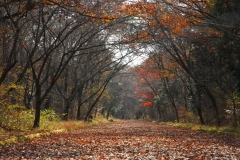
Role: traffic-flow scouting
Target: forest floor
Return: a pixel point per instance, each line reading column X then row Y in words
column 126, row 140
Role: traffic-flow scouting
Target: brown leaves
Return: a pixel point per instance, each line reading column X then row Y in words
column 126, row 140
column 141, row 9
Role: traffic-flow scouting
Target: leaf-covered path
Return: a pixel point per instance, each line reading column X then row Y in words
column 126, row 140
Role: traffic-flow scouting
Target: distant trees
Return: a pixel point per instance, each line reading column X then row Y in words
column 200, row 37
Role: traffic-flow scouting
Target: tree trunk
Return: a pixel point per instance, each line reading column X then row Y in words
column 199, row 111
column 159, row 113
column 103, row 110
column 165, row 118
column 66, row 110
column 28, row 95
column 48, row 102
column 185, row 98
column 234, row 115
column 171, row 97
column 11, row 59
column 108, row 112
column 199, row 106
column 80, row 90
column 37, row 107
column 95, row 114
column 95, row 102
column 176, row 112
column 214, row 104
column 79, row 110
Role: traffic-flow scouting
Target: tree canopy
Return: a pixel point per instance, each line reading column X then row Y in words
column 73, row 57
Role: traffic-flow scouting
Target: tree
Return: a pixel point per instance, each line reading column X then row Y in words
column 50, row 35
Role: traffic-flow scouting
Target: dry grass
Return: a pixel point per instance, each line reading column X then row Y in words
column 49, row 128
column 65, row 125
column 228, row 130
column 74, row 125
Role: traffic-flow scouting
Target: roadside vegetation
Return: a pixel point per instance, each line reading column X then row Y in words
column 226, row 130
column 19, row 130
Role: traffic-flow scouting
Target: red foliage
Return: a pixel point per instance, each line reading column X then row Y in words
column 147, row 96
column 148, row 77
column 147, row 104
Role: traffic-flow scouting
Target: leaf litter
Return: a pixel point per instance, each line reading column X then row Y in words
column 132, row 140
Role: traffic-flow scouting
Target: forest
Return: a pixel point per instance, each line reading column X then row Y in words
column 76, row 59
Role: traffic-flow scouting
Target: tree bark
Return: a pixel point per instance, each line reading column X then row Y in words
column 108, row 112
column 48, row 102
column 66, row 110
column 159, row 113
column 171, row 98
column 80, row 90
column 37, row 107
column 214, row 104
column 95, row 102
column 199, row 111
column 199, row 106
column 234, row 115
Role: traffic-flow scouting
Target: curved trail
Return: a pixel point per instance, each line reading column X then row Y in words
column 126, row 140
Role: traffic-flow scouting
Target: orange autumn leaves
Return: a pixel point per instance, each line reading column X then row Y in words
column 144, row 92
column 154, row 15
column 98, row 12
column 148, row 99
column 126, row 140
column 152, row 12
column 147, row 104
column 140, row 9
column 150, row 75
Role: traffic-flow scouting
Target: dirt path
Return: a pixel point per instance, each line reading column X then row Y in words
column 126, row 140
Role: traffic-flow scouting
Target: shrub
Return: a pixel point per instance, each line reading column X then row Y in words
column 16, row 118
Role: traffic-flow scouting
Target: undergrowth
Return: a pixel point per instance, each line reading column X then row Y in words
column 50, row 123
column 72, row 124
column 228, row 130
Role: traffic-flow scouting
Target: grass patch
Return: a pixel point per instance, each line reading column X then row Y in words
column 103, row 120
column 7, row 141
column 48, row 128
column 228, row 130
column 75, row 125
column 64, row 125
